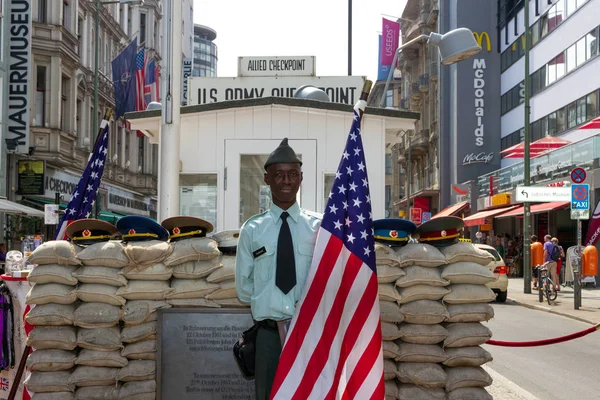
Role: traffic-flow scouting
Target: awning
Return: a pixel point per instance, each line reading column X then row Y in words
column 536, row 209
column 452, row 210
column 41, row 202
column 110, row 216
column 479, row 218
column 10, row 207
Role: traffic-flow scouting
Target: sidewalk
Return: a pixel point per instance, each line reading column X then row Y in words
column 564, row 305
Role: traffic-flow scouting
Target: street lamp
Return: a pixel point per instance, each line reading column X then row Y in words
column 454, row 46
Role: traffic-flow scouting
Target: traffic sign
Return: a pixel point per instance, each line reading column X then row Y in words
column 425, row 216
column 580, row 197
column 578, row 175
column 535, row 194
column 580, row 214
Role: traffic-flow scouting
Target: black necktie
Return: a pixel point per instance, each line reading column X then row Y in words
column 285, row 277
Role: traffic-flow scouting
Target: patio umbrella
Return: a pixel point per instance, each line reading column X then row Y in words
column 548, row 143
column 521, row 154
column 517, row 147
column 593, row 124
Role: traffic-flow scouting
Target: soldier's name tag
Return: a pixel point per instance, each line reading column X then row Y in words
column 259, row 252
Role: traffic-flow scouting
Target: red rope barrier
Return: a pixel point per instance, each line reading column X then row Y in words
column 545, row 342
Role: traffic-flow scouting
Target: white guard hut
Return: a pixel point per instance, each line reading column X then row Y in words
column 225, row 144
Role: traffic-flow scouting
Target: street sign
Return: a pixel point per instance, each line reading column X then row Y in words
column 578, row 175
column 535, row 194
column 580, row 214
column 580, row 196
column 51, row 214
column 425, row 216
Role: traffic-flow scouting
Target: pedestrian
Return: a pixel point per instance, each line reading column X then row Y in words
column 551, row 256
column 2, row 252
column 272, row 262
column 560, row 261
column 537, row 258
column 511, row 258
column 499, row 247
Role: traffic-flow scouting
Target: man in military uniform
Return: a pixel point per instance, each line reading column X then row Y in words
column 274, row 254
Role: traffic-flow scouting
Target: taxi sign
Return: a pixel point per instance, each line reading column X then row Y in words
column 580, row 197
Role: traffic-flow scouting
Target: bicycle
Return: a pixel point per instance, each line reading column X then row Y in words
column 545, row 284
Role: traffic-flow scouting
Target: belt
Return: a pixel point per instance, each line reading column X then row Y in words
column 268, row 324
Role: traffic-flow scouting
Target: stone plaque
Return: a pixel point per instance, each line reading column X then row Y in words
column 195, row 357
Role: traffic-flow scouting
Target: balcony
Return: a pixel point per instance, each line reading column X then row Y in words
column 433, row 71
column 424, row 83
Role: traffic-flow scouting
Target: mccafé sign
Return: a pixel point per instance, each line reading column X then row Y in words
column 479, row 37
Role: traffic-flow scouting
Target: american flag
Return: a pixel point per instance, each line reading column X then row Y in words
column 4, row 384
column 151, row 87
column 333, row 348
column 140, row 80
column 84, row 196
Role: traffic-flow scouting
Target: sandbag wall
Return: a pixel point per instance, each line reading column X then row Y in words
column 432, row 305
column 96, row 312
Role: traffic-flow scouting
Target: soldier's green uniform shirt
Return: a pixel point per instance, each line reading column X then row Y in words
column 256, row 260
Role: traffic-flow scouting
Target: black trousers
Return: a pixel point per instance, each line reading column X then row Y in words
column 268, row 350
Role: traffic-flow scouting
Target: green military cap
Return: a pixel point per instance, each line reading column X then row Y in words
column 283, row 154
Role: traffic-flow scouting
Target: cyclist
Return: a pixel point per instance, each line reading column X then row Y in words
column 551, row 256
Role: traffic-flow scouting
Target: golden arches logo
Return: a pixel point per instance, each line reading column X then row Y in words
column 479, row 38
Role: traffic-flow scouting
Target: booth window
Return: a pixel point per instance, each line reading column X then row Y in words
column 328, row 180
column 198, row 196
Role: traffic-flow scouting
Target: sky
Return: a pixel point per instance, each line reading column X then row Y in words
column 298, row 28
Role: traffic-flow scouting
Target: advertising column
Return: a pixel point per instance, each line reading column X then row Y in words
column 470, row 98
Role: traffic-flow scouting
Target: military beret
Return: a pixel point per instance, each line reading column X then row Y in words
column 283, row 154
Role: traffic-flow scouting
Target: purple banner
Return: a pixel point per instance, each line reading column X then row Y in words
column 593, row 231
column 390, row 32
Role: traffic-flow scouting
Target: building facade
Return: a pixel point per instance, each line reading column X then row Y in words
column 62, row 106
column 205, row 51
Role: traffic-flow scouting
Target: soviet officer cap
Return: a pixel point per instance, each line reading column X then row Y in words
column 440, row 232
column 227, row 240
column 183, row 227
column 88, row 231
column 283, row 154
column 393, row 231
column 135, row 228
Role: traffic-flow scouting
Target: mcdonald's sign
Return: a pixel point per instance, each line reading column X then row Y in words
column 479, row 38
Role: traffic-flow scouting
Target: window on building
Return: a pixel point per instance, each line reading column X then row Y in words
column 592, row 44
column 571, row 115
column 571, row 6
column 581, row 51
column 571, row 58
column 198, row 196
column 126, row 152
column 156, row 44
column 592, row 105
column 80, row 36
column 1, row 31
column 141, row 154
column 119, row 145
column 581, row 111
column 40, row 96
column 78, row 118
column 560, row 121
column 388, row 164
column 42, row 15
column 65, row 112
column 552, row 124
column 559, row 64
column 66, row 21
column 551, row 72
column 142, row 29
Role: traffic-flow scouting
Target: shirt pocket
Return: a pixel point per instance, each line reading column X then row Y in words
column 264, row 264
column 306, row 251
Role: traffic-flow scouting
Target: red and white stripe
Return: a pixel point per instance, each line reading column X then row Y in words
column 140, row 81
column 333, row 349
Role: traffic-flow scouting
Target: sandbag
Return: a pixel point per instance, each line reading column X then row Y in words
column 54, row 252
column 97, row 358
column 420, row 353
column 385, row 255
column 391, row 390
column 389, row 274
column 137, row 370
column 428, row 375
column 389, row 331
column 133, row 390
column 390, row 312
column 51, row 314
column 196, row 269
column 426, row 312
column 469, row 393
column 390, row 349
column 467, row 272
column 422, row 292
column 477, row 312
column 104, row 339
column 53, row 273
column 465, row 251
column 195, row 303
column 52, row 337
column 422, row 334
column 53, row 396
column 237, row 303
column 147, row 253
column 191, row 288
column 417, row 275
column 226, row 290
column 84, row 376
column 193, row 249
column 156, row 272
column 227, row 272
column 110, row 392
column 96, row 293
column 136, row 333
column 407, row 391
column 51, row 360
column 46, row 382
column 97, row 315
column 145, row 290
column 51, row 293
column 100, row 275
column 389, row 369
column 461, row 377
column 144, row 350
column 421, row 254
column 465, row 294
column 388, row 292
column 139, row 311
column 104, row 254
column 467, row 334
column 467, row 356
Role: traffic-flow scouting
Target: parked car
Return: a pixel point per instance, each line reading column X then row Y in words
column 500, row 270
